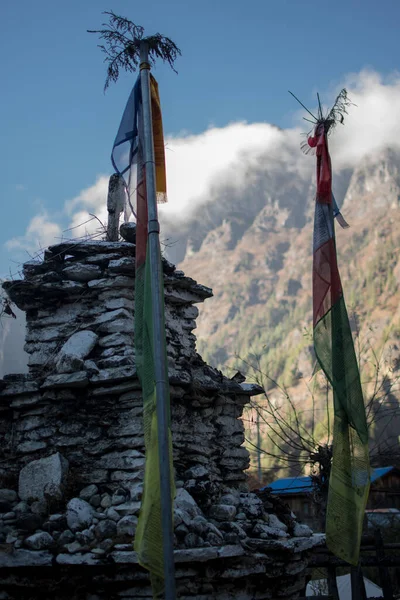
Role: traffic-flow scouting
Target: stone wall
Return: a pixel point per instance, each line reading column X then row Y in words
column 72, row 448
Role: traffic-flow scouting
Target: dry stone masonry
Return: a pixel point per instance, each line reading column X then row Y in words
column 72, row 447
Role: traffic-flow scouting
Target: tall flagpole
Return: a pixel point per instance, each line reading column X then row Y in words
column 159, row 332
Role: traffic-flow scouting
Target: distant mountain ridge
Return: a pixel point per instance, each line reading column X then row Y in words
column 254, row 249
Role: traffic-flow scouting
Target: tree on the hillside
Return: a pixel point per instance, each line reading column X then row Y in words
column 299, row 440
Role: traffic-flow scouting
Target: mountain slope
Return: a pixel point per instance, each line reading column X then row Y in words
column 260, row 273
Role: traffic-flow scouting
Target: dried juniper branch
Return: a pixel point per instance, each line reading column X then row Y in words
column 122, row 46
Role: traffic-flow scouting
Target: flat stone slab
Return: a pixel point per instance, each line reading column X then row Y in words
column 20, row 387
column 78, row 379
column 25, row 558
column 91, row 247
column 78, row 559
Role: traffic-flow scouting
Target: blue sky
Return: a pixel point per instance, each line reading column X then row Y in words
column 239, row 59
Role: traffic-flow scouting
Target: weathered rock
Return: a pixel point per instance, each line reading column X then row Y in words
column 66, row 380
column 301, row 530
column 128, row 232
column 25, row 558
column 127, row 526
column 75, row 350
column 8, row 496
column 112, row 514
column 82, row 272
column 192, row 540
column 118, row 497
column 124, row 265
column 275, row 522
column 39, row 507
column 39, row 541
column 185, row 502
column 29, row 447
column 223, row 512
column 66, row 537
column 34, row 477
column 74, row 547
column 265, row 531
column 77, row 559
column 79, row 514
column 105, row 529
column 28, row 522
column 87, row 492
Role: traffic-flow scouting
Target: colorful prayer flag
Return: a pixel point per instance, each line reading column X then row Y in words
column 148, row 539
column 334, row 348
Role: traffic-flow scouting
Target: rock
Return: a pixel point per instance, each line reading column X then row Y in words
column 8, row 496
column 113, row 315
column 115, row 303
column 28, row 447
column 28, row 522
column 11, row 539
column 85, row 537
column 193, row 541
column 54, row 496
column 229, row 499
column 251, row 505
column 98, row 551
column 91, row 247
column 275, row 522
column 127, row 526
column 106, row 544
column 34, row 477
column 76, row 348
column 124, row 265
column 128, row 508
column 105, row 529
column 39, row 541
column 213, row 539
column 55, row 523
column 25, row 558
column 87, row 492
column 128, row 232
column 197, row 472
column 181, row 530
column 118, row 497
column 79, row 514
column 186, row 503
column 39, row 508
column 73, row 547
column 77, row 559
column 198, row 525
column 112, row 514
column 66, row 537
column 114, row 374
column 9, row 516
column 82, row 272
column 105, row 501
column 265, row 531
column 301, row 530
column 115, row 339
column 66, row 380
column 95, row 500
column 223, row 512
column 21, row 507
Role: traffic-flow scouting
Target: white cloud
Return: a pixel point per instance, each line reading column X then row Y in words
column 197, row 164
column 41, row 232
column 375, row 120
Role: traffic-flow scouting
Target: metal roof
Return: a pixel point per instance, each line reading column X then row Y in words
column 299, row 485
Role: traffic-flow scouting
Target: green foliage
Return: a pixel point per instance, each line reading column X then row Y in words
column 122, row 46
